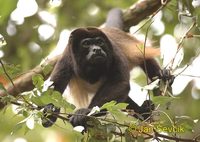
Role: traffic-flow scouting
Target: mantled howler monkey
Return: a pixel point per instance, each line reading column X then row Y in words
column 98, row 61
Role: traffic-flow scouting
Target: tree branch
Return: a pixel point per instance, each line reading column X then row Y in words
column 141, row 10
column 24, row 82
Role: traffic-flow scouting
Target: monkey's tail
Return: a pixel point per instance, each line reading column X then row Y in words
column 114, row 19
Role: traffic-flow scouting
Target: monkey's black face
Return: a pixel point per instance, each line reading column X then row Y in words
column 94, row 50
column 92, row 54
column 94, row 57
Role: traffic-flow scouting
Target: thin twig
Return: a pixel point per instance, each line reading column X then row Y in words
column 145, row 42
column 188, row 64
column 175, row 138
column 8, row 76
column 10, row 79
column 152, row 16
column 179, row 44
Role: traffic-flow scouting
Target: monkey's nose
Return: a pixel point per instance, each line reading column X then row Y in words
column 97, row 51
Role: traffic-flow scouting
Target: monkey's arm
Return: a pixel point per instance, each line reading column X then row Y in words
column 60, row 76
column 111, row 90
column 136, row 56
column 151, row 68
column 62, row 73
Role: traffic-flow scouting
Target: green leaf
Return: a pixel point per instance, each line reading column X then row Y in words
column 47, row 69
column 101, row 133
column 162, row 99
column 11, row 69
column 119, row 115
column 46, row 97
column 140, row 139
column 25, row 113
column 121, row 106
column 114, row 105
column 54, row 97
column 37, row 101
column 108, row 105
column 129, row 137
column 59, row 101
column 69, row 108
column 185, row 123
column 38, row 81
column 115, row 110
column 57, row 96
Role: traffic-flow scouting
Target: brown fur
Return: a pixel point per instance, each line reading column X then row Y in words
column 81, row 91
column 131, row 47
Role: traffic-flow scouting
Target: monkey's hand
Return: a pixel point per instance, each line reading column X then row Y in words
column 145, row 110
column 80, row 117
column 167, row 76
column 49, row 117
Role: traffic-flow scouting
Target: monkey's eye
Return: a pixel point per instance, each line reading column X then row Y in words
column 99, row 41
column 85, row 42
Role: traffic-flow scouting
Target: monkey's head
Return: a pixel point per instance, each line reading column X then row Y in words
column 92, row 53
column 93, row 50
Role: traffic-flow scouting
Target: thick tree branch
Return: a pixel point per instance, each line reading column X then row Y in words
column 141, row 10
column 24, row 82
column 131, row 16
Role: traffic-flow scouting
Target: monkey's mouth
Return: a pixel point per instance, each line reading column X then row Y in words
column 98, row 59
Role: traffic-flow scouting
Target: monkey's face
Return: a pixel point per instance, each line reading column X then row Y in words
column 94, row 50
column 91, row 47
column 92, row 53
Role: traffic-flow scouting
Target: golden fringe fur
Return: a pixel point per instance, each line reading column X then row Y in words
column 82, row 92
